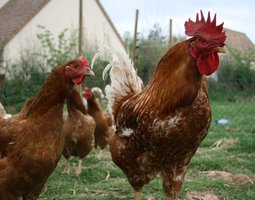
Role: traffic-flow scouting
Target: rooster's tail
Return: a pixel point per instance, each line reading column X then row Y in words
column 123, row 76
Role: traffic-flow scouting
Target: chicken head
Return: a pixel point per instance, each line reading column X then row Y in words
column 209, row 40
column 77, row 70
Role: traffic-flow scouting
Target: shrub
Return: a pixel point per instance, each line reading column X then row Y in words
column 236, row 78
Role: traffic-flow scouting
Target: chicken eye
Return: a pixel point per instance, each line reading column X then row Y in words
column 75, row 66
column 202, row 41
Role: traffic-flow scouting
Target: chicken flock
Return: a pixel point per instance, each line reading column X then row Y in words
column 151, row 130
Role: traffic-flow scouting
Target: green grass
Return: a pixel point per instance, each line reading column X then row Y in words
column 102, row 180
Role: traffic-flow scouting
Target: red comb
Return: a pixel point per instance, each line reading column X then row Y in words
column 84, row 60
column 86, row 88
column 205, row 29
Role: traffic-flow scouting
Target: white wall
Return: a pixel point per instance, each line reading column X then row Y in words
column 58, row 15
column 95, row 24
column 2, row 2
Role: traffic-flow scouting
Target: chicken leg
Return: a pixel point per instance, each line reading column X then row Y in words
column 170, row 198
column 172, row 182
column 137, row 195
column 79, row 168
column 67, row 167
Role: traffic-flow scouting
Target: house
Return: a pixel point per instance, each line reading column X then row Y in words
column 238, row 41
column 19, row 20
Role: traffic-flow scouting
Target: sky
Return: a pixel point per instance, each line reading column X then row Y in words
column 236, row 14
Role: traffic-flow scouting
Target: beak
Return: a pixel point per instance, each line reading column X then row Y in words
column 220, row 49
column 89, row 72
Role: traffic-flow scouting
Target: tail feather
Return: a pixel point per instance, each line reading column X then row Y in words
column 123, row 76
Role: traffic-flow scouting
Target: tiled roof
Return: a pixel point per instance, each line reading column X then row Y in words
column 15, row 14
column 239, row 41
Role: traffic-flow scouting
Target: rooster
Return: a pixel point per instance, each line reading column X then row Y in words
column 79, row 129
column 32, row 142
column 160, row 126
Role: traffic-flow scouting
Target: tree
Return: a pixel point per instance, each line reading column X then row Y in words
column 237, row 70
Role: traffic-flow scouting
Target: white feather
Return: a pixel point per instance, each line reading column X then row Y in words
column 107, row 68
column 123, row 76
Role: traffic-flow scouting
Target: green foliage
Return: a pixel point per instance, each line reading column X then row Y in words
column 238, row 71
column 151, row 49
column 97, row 81
column 236, row 78
column 58, row 51
column 29, row 73
column 17, row 90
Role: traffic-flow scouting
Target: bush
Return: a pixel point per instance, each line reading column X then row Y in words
column 236, row 78
column 58, row 51
column 29, row 73
column 17, row 91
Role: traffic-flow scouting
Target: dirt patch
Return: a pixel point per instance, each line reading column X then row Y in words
column 200, row 196
column 253, row 98
column 116, row 180
column 240, row 179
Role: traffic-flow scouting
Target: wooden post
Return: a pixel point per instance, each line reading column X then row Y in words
column 135, row 35
column 79, row 87
column 80, row 28
column 2, row 79
column 170, row 33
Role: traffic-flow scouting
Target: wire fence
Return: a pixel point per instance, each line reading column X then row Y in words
column 232, row 107
column 232, row 99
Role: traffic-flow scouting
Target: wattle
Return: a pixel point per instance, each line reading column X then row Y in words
column 78, row 80
column 208, row 63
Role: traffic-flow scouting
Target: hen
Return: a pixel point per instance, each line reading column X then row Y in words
column 32, row 142
column 102, row 118
column 79, row 130
column 159, row 127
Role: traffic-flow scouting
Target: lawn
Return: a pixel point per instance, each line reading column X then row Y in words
column 102, row 180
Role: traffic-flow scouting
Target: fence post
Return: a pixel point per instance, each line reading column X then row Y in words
column 135, row 36
column 170, row 33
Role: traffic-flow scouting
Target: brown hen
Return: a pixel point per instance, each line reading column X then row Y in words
column 79, row 130
column 104, row 129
